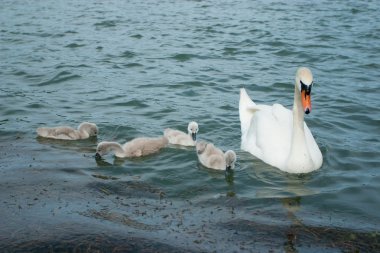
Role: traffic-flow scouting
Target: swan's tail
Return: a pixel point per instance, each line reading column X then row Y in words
column 43, row 131
column 246, row 110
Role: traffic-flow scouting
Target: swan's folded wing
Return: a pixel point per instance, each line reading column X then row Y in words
column 66, row 133
column 171, row 133
column 315, row 152
column 62, row 133
column 282, row 115
column 246, row 110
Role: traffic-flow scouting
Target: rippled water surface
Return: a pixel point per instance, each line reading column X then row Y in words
column 137, row 67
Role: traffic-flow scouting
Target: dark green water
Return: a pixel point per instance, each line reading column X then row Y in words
column 137, row 67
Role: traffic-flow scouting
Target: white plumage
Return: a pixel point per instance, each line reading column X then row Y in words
column 278, row 136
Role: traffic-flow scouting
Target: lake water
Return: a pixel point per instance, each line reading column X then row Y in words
column 137, row 67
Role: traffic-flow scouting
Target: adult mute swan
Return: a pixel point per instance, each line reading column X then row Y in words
column 180, row 138
column 84, row 131
column 278, row 136
column 214, row 158
column 135, row 148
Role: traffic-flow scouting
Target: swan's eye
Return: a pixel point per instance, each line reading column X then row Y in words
column 306, row 88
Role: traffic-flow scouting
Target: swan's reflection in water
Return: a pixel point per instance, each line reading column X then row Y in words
column 81, row 146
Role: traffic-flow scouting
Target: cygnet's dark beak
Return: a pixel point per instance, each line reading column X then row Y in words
column 97, row 156
column 194, row 136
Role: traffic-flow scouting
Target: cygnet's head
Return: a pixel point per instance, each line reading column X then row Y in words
column 304, row 83
column 201, row 147
column 90, row 128
column 192, row 129
column 230, row 158
column 102, row 149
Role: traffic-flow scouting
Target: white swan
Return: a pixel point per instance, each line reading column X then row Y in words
column 279, row 136
column 180, row 138
column 135, row 148
column 84, row 131
column 214, row 158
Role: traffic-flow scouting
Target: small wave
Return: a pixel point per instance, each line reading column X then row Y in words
column 71, row 32
column 190, row 93
column 35, row 106
column 373, row 34
column 373, row 65
column 324, row 37
column 42, row 34
column 242, row 77
column 128, row 54
column 106, row 23
column 136, row 36
column 183, row 57
column 279, row 85
column 355, row 11
column 283, row 52
column 14, row 112
column 162, row 113
column 133, row 103
column 60, row 66
column 276, row 43
column 191, row 84
column 133, row 65
column 74, row 45
column 58, row 35
column 3, row 121
column 110, row 98
column 230, row 51
column 19, row 73
column 260, row 33
column 59, row 78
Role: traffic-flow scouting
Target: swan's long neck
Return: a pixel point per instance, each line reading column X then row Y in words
column 116, row 148
column 298, row 114
column 83, row 132
column 299, row 157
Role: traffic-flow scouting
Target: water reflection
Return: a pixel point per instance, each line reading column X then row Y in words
column 229, row 177
column 285, row 186
column 85, row 146
column 292, row 205
column 289, row 190
column 296, row 185
column 101, row 162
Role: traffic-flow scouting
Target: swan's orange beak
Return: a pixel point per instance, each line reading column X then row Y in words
column 306, row 101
